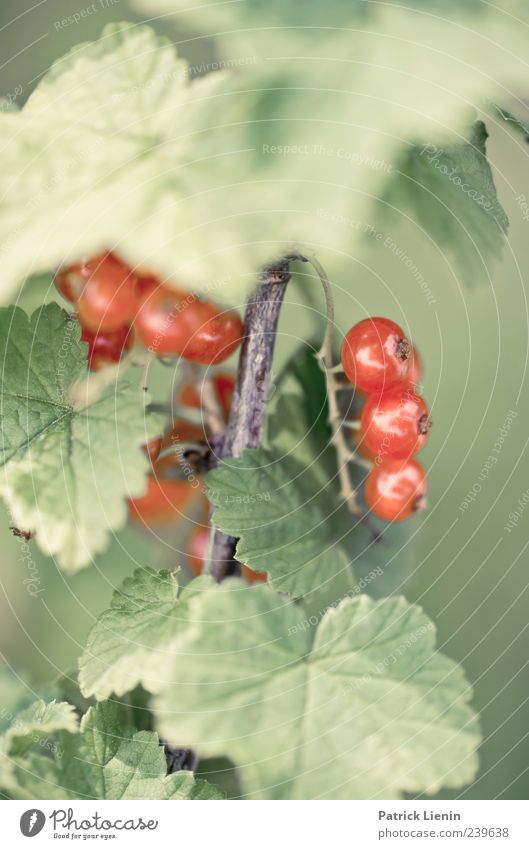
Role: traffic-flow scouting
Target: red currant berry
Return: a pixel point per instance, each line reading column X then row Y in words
column 107, row 348
column 396, row 490
column 376, row 354
column 70, row 281
column 196, row 549
column 109, row 298
column 170, row 322
column 164, row 502
column 152, row 448
column 189, row 394
column 395, row 424
column 146, row 284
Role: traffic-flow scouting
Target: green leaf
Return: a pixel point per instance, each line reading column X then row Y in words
column 139, row 159
column 26, row 729
column 450, row 191
column 283, row 518
column 357, row 706
column 106, row 760
column 37, row 721
column 131, row 642
column 517, row 123
column 70, row 456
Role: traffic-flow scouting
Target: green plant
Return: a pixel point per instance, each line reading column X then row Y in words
column 310, row 686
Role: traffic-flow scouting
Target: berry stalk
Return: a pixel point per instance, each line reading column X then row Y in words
column 248, row 411
column 325, row 355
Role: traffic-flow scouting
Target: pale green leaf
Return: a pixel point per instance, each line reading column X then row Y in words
column 356, row 706
column 513, row 121
column 106, row 760
column 204, row 181
column 26, row 729
column 70, row 458
column 131, row 643
column 284, row 519
column 449, row 190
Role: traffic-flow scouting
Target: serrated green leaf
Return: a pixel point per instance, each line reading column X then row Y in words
column 450, row 191
column 516, row 123
column 106, row 760
column 26, row 729
column 358, row 706
column 283, row 517
column 67, row 466
column 131, row 642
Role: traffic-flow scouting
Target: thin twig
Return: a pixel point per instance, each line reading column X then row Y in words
column 325, row 357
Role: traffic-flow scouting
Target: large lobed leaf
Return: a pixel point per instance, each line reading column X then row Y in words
column 359, row 705
column 204, row 181
column 69, row 461
column 352, row 703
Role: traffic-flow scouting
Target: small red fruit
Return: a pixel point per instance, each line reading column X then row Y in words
column 196, row 549
column 396, row 424
column 164, row 502
column 396, row 490
column 376, row 355
column 109, row 298
column 189, row 395
column 152, row 448
column 107, row 348
column 172, row 322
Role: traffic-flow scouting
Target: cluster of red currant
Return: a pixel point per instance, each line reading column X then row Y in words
column 394, row 424
column 116, row 306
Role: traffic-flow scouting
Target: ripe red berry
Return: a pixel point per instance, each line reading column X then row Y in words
column 152, row 448
column 106, row 348
column 396, row 490
column 164, row 502
column 395, row 424
column 376, row 355
column 109, row 298
column 223, row 384
column 172, row 322
column 196, row 549
column 70, row 281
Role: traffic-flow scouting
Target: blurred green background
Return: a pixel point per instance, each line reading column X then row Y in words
column 471, row 570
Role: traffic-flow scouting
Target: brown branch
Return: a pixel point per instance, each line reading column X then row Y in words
column 248, row 411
